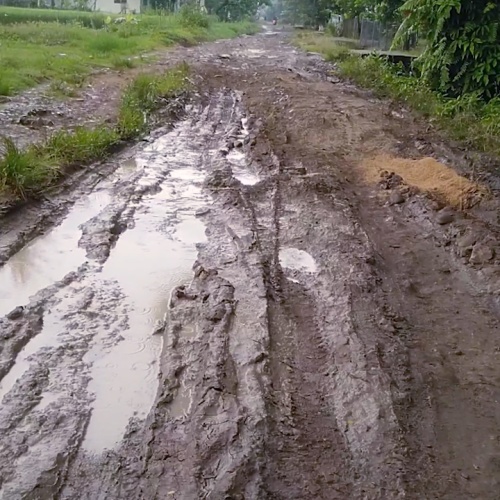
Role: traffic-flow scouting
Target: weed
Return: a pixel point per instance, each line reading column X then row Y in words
column 146, row 91
column 81, row 145
column 61, row 88
column 17, row 15
column 191, row 16
column 23, row 171
column 131, row 121
column 32, row 169
column 123, row 63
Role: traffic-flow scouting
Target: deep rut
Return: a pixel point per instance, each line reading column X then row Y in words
column 229, row 313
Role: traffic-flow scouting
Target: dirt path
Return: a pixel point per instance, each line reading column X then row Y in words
column 233, row 309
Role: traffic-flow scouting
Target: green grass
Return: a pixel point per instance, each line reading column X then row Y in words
column 20, row 170
column 15, row 15
column 468, row 119
column 38, row 45
column 145, row 95
column 28, row 171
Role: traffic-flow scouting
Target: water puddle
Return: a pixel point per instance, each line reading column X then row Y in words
column 49, row 257
column 297, row 260
column 149, row 261
column 239, row 164
column 240, row 168
column 102, row 334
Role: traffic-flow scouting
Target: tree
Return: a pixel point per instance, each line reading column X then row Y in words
column 463, row 51
column 233, row 10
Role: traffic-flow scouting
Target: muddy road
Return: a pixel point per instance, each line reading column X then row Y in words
column 234, row 309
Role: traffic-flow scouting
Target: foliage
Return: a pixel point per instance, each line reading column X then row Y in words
column 191, row 15
column 81, row 145
column 463, row 51
column 316, row 12
column 233, row 10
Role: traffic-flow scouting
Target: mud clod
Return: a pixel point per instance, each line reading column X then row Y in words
column 16, row 313
column 445, row 216
column 481, row 254
column 396, row 198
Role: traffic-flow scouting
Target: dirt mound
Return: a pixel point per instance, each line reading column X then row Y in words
column 427, row 175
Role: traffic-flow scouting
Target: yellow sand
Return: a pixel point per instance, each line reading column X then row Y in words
column 428, row 175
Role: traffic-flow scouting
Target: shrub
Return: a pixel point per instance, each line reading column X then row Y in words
column 191, row 15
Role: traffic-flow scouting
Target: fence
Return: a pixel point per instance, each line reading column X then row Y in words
column 371, row 34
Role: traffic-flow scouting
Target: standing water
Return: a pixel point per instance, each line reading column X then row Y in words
column 101, row 337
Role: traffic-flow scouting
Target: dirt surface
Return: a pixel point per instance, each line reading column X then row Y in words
column 236, row 308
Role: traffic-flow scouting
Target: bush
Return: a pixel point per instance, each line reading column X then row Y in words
column 191, row 15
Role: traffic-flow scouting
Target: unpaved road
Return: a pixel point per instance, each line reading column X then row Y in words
column 229, row 310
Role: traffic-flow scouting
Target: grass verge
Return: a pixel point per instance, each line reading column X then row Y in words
column 26, row 172
column 468, row 119
column 66, row 46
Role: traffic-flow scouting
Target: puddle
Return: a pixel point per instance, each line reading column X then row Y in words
column 239, row 164
column 148, row 262
column 100, row 338
column 241, row 171
column 297, row 260
column 49, row 257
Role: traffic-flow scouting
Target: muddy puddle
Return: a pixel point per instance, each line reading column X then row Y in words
column 102, row 333
column 294, row 259
column 148, row 262
column 49, row 257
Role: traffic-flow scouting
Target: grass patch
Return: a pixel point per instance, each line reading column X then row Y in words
column 123, row 63
column 145, row 95
column 16, row 15
column 81, row 145
column 23, row 172
column 39, row 45
column 467, row 119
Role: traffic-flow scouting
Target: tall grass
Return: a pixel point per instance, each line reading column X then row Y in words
column 21, row 170
column 146, row 94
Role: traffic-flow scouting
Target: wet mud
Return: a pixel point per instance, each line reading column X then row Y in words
column 231, row 311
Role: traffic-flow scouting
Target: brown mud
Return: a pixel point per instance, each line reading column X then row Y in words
column 231, row 310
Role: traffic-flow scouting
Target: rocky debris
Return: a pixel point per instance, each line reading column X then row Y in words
column 482, row 253
column 16, row 313
column 200, row 212
column 390, row 180
column 35, row 122
column 445, row 216
column 221, row 179
column 396, row 198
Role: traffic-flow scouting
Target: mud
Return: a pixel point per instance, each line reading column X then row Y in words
column 233, row 309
